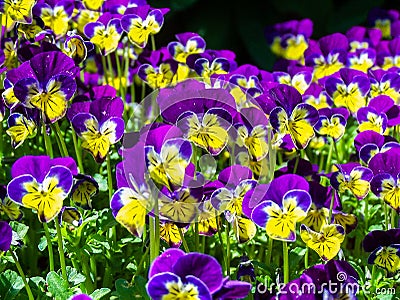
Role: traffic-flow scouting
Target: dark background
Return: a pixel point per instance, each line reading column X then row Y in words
column 239, row 25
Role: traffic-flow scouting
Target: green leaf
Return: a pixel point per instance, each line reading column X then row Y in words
column 100, row 293
column 140, row 286
column 295, row 256
column 10, row 285
column 58, row 287
column 42, row 243
column 74, row 278
column 124, row 289
column 19, row 228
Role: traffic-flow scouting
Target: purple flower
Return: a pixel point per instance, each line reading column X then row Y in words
column 41, row 183
column 5, row 236
column 177, row 274
column 352, row 177
column 188, row 43
column 100, row 125
column 385, row 248
column 328, row 55
column 285, row 203
column 291, row 116
column 47, row 84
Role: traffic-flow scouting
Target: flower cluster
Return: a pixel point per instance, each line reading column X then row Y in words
column 186, row 148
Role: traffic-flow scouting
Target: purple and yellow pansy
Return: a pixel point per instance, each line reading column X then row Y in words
column 41, row 184
column 282, row 208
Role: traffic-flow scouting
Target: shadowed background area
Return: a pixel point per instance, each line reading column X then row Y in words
column 239, row 25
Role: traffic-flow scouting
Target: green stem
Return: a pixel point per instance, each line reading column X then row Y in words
column 153, row 254
column 373, row 277
column 329, row 158
column 338, row 159
column 196, row 235
column 104, row 64
column 203, row 243
column 120, row 75
column 306, row 259
column 366, row 214
column 64, row 150
column 271, row 155
column 185, row 245
column 140, row 265
column 228, row 251
column 47, row 144
column 49, row 246
column 296, row 164
column 77, row 152
column 331, row 206
column 386, row 215
column 153, row 43
column 61, row 251
column 22, row 274
column 269, row 250
column 109, row 177
column 393, row 218
column 110, row 67
column 221, row 240
column 285, row 263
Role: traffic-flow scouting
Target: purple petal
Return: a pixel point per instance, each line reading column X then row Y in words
column 204, row 267
column 233, row 175
column 165, row 262
column 279, row 186
column 387, row 162
column 6, row 236
column 259, row 214
column 381, row 238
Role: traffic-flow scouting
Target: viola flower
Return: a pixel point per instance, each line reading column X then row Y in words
column 252, row 133
column 352, row 177
column 326, row 242
column 317, row 97
column 83, row 190
column 6, row 236
column 159, row 76
column 105, row 33
column 84, row 16
column 388, row 54
column 76, row 48
column 385, row 248
column 55, row 14
column 99, row 124
column 245, row 82
column 175, row 274
column 363, row 38
column 142, row 22
column 207, row 66
column 188, row 43
column 243, row 228
column 290, row 39
column 370, row 119
column 48, row 83
column 285, row 203
column 300, row 80
column 208, row 131
column 384, row 83
column 179, row 206
column 369, row 143
column 19, row 11
column 20, row 128
column 332, row 122
column 231, row 196
column 291, row 116
column 386, row 182
column 7, row 207
column 133, row 199
column 382, row 19
column 350, row 90
column 93, row 4
column 328, row 55
column 41, row 184
column 70, row 215
column 387, row 106
column 8, row 53
column 169, row 233
column 167, row 167
column 335, row 273
column 361, row 60
column 206, row 219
